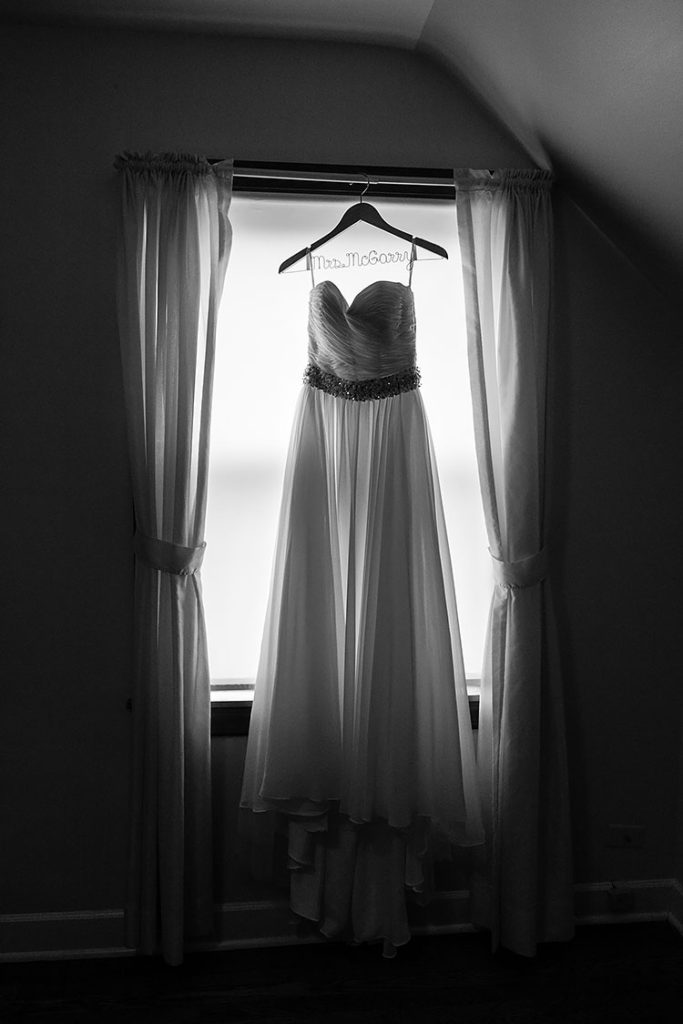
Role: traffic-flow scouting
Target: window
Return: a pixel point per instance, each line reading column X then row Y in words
column 261, row 356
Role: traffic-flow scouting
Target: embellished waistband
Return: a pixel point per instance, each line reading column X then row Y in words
column 362, row 390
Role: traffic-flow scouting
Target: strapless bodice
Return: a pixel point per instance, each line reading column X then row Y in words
column 372, row 337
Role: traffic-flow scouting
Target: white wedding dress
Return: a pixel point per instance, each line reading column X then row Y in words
column 360, row 746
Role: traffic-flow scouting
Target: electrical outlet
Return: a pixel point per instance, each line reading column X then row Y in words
column 625, row 837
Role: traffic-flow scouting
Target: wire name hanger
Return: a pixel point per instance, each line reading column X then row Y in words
column 367, row 213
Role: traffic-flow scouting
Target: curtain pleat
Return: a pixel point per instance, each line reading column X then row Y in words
column 523, row 889
column 174, row 248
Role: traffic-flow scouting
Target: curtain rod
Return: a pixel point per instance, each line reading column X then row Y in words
column 346, row 180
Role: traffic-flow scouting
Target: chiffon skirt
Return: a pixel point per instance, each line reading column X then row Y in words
column 360, row 748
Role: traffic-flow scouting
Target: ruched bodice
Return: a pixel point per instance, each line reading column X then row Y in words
column 372, row 337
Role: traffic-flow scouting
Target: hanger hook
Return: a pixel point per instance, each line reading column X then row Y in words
column 366, row 187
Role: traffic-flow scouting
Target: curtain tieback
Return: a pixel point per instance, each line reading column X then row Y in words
column 164, row 556
column 527, row 572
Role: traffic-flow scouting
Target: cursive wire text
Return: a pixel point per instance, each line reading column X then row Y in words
column 357, row 259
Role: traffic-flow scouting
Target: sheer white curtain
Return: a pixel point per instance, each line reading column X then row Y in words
column 525, row 892
column 175, row 243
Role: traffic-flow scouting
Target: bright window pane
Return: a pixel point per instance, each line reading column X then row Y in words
column 261, row 356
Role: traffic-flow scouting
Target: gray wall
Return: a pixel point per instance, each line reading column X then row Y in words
column 73, row 99
column 615, row 502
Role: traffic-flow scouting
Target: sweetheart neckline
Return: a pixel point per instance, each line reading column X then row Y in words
column 336, row 287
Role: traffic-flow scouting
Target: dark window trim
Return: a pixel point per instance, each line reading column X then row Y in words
column 231, row 718
column 349, row 180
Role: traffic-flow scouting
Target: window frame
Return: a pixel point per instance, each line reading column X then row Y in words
column 231, row 716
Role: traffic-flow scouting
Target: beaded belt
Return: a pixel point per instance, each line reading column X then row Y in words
column 362, row 390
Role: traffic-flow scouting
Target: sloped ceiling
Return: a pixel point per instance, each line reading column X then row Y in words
column 592, row 88
column 386, row 22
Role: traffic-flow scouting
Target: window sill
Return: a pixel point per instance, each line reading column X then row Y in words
column 231, row 708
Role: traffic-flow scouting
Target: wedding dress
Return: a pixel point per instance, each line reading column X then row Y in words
column 360, row 746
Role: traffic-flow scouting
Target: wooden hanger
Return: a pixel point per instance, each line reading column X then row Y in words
column 361, row 211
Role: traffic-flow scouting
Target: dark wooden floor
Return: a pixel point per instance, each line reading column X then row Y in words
column 607, row 974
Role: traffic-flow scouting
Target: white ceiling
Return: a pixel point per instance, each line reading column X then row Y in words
column 593, row 88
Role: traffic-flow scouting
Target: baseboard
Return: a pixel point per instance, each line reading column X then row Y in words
column 271, row 923
column 651, row 899
column 247, row 925
column 62, row 935
column 238, row 925
column 262, row 923
column 676, row 910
